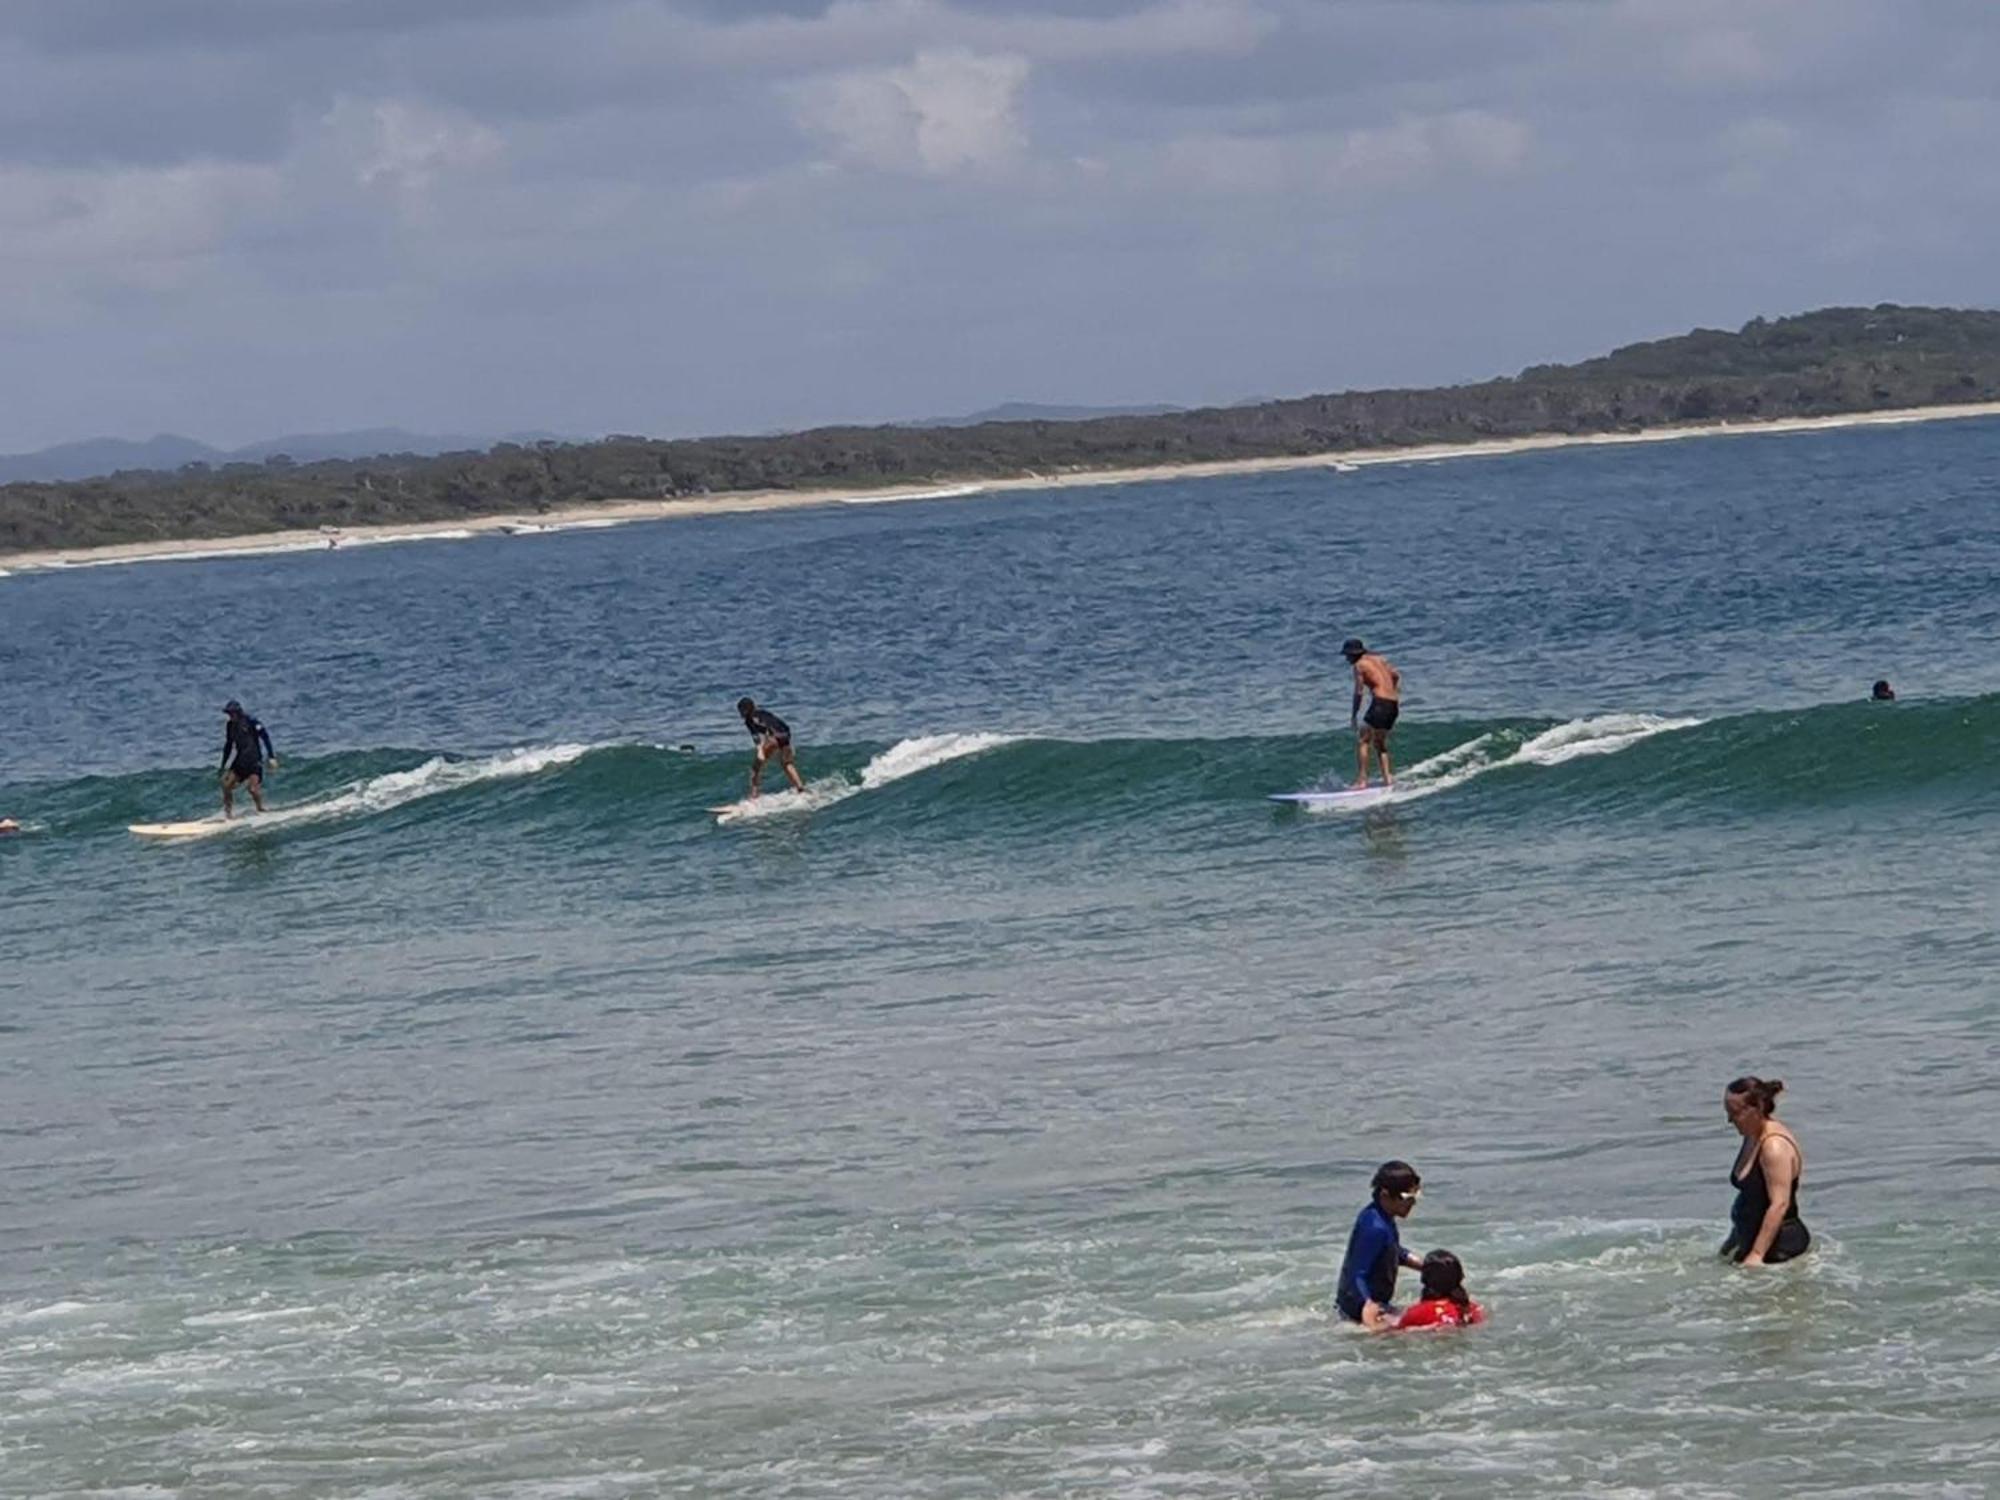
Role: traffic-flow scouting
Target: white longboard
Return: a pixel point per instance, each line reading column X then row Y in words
column 196, row 830
column 777, row 804
column 1348, row 796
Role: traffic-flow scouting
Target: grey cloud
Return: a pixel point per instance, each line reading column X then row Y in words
column 116, row 109
column 687, row 216
column 119, row 26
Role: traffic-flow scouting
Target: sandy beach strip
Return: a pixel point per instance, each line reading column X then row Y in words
column 625, row 512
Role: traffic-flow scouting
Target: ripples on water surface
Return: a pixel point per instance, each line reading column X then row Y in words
column 494, row 1124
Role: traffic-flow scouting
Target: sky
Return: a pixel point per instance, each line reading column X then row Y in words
column 238, row 218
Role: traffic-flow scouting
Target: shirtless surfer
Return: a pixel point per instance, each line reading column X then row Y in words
column 774, row 739
column 1384, row 686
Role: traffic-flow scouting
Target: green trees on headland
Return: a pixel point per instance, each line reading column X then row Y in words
column 1817, row 364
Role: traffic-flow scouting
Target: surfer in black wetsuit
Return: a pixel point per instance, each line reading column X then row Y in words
column 245, row 750
column 1764, row 1223
column 774, row 738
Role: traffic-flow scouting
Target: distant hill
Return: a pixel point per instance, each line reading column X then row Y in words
column 93, row 457
column 1839, row 359
column 1029, row 411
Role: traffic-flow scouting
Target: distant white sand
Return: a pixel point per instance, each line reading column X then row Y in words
column 621, row 512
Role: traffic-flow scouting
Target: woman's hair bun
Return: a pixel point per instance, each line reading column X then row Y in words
column 1764, row 1090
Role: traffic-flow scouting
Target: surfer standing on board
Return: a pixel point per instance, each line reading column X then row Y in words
column 1384, row 685
column 245, row 746
column 774, row 738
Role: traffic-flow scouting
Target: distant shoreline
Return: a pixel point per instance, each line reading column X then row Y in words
column 626, row 512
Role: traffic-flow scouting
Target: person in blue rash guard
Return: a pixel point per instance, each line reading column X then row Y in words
column 1375, row 1250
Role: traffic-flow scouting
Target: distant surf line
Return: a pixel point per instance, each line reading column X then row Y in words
column 604, row 513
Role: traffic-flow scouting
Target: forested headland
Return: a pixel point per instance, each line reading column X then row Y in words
column 1823, row 363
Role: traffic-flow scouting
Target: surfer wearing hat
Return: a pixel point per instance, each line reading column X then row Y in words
column 774, row 739
column 245, row 748
column 1384, row 686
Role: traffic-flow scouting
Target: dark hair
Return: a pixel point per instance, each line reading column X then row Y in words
column 1763, row 1092
column 744, row 706
column 1445, row 1277
column 1882, row 688
column 1396, row 1177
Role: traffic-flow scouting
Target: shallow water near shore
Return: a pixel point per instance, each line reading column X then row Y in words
column 490, row 1122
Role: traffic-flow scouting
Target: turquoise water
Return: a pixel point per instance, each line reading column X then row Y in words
column 490, row 1122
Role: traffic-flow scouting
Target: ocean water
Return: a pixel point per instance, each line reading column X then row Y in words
column 491, row 1122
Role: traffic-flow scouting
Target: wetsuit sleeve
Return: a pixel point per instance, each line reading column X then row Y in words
column 1371, row 1239
column 228, row 743
column 264, row 735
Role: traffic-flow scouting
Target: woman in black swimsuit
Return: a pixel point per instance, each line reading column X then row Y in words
column 1764, row 1224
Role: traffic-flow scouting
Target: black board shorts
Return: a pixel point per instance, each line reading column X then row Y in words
column 243, row 772
column 1382, row 714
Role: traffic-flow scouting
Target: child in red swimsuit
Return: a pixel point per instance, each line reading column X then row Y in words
column 1445, row 1303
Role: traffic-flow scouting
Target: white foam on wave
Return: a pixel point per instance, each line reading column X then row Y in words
column 23, row 1312
column 949, row 492
column 327, row 543
column 241, row 1316
column 379, row 794
column 190, row 554
column 907, row 757
column 904, row 758
column 1600, row 734
column 456, row 534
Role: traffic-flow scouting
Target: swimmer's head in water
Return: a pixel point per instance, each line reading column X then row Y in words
column 1750, row 1099
column 1444, row 1277
column 1397, row 1187
column 1882, row 692
column 1352, row 649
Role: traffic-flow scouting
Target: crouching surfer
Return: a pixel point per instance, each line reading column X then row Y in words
column 774, row 742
